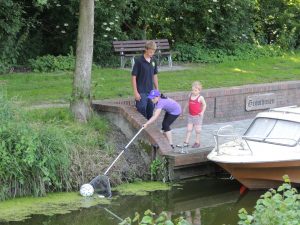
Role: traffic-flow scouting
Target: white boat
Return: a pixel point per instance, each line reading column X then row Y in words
column 269, row 149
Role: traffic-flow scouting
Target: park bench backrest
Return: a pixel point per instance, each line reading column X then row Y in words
column 132, row 46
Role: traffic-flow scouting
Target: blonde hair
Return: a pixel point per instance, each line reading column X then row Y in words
column 197, row 84
column 150, row 45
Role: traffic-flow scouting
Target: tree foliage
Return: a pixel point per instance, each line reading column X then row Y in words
column 278, row 22
column 13, row 32
column 34, row 28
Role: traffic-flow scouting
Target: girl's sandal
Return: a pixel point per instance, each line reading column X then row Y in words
column 185, row 144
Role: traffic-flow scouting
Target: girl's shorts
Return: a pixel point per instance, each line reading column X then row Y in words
column 195, row 120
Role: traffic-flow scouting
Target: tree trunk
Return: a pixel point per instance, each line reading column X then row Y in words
column 81, row 94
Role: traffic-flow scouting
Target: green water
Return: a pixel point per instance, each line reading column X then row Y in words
column 200, row 201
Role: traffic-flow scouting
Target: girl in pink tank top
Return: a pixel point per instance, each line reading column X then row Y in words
column 197, row 107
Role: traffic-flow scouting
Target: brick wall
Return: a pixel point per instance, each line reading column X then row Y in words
column 229, row 104
column 223, row 105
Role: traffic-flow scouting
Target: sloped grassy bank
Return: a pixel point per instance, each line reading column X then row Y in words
column 44, row 151
column 33, row 159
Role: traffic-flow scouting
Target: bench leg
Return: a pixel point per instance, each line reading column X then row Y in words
column 122, row 61
column 132, row 62
column 170, row 62
column 159, row 60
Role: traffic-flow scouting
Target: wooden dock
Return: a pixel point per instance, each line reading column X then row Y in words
column 190, row 164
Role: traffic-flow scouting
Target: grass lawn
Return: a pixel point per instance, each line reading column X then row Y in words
column 34, row 88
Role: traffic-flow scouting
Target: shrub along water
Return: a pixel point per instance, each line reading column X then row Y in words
column 276, row 206
column 44, row 150
column 90, row 150
column 33, row 159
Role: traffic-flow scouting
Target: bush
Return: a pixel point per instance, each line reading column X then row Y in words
column 279, row 206
column 104, row 55
column 86, row 141
column 50, row 63
column 33, row 159
column 199, row 53
column 158, row 169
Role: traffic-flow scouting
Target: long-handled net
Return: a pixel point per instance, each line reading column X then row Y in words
column 101, row 183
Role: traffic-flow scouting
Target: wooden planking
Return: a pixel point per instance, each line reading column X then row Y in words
column 135, row 49
column 189, row 165
column 142, row 41
column 138, row 45
column 129, row 49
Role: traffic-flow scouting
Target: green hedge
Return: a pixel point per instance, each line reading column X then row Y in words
column 50, row 63
column 199, row 53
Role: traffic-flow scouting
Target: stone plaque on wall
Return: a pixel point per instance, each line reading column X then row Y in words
column 261, row 101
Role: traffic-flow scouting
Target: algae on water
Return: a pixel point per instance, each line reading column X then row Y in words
column 141, row 188
column 61, row 203
column 55, row 203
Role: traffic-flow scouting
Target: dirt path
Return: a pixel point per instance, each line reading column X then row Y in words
column 48, row 105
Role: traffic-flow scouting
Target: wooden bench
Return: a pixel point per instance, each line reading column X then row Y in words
column 130, row 49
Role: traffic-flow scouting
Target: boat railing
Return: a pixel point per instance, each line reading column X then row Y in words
column 228, row 133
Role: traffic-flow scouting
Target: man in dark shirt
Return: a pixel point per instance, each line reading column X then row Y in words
column 144, row 79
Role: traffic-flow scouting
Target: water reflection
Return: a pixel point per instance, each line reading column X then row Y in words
column 197, row 196
column 200, row 201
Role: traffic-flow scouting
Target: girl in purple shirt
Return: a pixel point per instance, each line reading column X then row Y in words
column 172, row 109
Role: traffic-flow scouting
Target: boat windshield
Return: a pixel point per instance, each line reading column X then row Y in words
column 274, row 131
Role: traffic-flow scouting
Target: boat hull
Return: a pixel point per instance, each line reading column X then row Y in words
column 264, row 175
